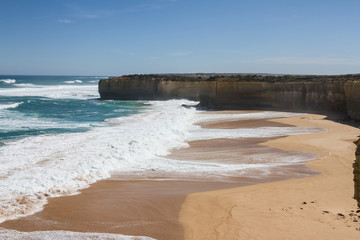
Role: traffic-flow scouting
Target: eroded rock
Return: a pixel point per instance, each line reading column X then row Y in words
column 356, row 171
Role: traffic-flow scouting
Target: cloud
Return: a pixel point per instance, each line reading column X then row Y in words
column 64, row 20
column 304, row 61
column 181, row 54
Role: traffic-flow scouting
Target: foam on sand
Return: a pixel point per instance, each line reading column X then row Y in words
column 262, row 132
column 64, row 235
column 214, row 117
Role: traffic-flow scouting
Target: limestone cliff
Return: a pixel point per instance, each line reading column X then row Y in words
column 337, row 96
column 356, row 166
column 352, row 93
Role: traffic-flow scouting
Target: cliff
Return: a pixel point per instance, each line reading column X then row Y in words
column 356, row 166
column 336, row 96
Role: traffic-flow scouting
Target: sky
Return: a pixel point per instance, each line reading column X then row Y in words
column 116, row 37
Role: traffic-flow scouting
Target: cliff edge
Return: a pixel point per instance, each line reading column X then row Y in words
column 337, row 96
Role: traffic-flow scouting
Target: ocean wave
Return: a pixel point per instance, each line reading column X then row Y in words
column 53, row 165
column 25, row 85
column 10, row 105
column 35, row 168
column 18, row 121
column 52, row 91
column 8, row 81
column 74, row 81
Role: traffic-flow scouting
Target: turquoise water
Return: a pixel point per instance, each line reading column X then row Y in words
column 37, row 105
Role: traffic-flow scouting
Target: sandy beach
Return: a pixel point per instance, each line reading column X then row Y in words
column 269, row 207
column 318, row 207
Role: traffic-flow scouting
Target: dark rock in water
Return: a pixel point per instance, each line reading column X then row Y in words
column 356, row 166
column 185, row 106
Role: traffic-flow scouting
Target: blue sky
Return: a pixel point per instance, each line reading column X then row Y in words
column 115, row 37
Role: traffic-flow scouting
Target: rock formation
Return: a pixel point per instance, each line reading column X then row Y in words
column 356, row 166
column 336, row 96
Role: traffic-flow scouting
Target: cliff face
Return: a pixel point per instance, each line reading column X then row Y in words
column 333, row 95
column 356, row 166
column 352, row 93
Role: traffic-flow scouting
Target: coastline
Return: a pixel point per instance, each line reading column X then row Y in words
column 115, row 206
column 306, row 208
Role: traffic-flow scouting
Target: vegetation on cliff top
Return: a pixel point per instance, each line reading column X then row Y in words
column 192, row 77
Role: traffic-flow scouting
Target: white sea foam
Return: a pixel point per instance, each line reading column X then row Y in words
column 64, row 235
column 262, row 132
column 74, row 81
column 52, row 91
column 59, row 164
column 9, row 106
column 14, row 121
column 213, row 117
column 26, row 85
column 8, row 81
column 51, row 165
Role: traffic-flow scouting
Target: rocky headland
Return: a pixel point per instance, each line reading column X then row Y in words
column 337, row 96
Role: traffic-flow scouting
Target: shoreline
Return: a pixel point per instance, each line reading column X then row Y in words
column 317, row 207
column 99, row 204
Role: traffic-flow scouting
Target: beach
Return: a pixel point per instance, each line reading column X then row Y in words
column 179, row 120
column 318, row 207
column 271, row 206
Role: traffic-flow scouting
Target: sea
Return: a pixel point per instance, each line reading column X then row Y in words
column 57, row 137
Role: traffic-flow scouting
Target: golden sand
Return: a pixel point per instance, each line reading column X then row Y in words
column 319, row 207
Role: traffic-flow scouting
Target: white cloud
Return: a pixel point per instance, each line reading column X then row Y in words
column 64, row 20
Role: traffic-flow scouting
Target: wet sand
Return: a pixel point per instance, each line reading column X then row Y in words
column 151, row 207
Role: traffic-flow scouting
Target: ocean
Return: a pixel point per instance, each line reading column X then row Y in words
column 57, row 137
